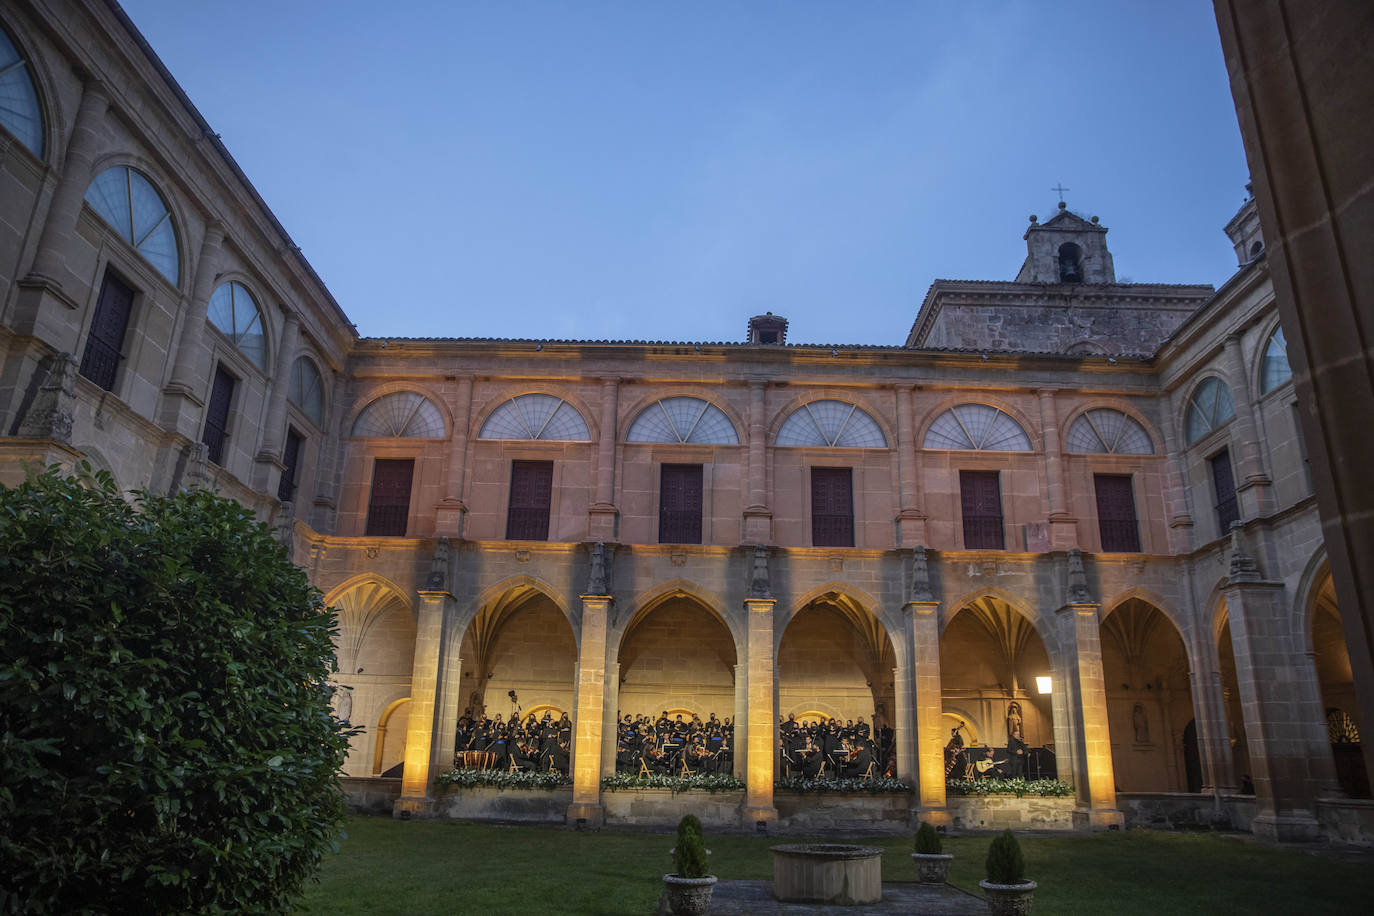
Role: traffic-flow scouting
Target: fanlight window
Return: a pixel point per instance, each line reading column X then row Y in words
column 236, row 314
column 1274, row 369
column 536, row 416
column 133, row 208
column 1110, row 432
column 1209, row 408
column 683, row 419
column 400, row 415
column 977, row 426
column 837, row 424
column 19, row 110
column 306, row 390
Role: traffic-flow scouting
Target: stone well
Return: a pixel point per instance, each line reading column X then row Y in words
column 827, row 873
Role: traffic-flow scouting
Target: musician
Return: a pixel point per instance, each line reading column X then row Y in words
column 858, row 758
column 809, row 759
column 861, row 729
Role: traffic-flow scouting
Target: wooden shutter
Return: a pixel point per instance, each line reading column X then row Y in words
column 832, row 507
column 1224, row 484
column 1116, row 513
column 981, row 496
column 531, row 491
column 290, row 458
column 679, row 506
column 217, row 414
column 106, row 338
column 388, row 509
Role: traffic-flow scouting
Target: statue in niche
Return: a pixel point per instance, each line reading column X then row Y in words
column 341, row 698
column 920, row 576
column 596, row 574
column 1016, row 741
column 758, row 582
column 1141, row 724
column 438, row 567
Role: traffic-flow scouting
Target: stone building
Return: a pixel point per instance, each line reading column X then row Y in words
column 1085, row 497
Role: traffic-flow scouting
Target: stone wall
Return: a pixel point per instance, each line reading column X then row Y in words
column 662, row 808
column 1347, row 820
column 371, row 795
column 546, row 806
column 1002, row 812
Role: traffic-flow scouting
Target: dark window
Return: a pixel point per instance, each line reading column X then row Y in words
column 217, row 414
column 1224, row 485
column 832, row 507
column 981, row 495
column 106, row 338
column 679, row 506
column 531, row 491
column 388, row 509
column 290, row 459
column 1116, row 513
column 1070, row 263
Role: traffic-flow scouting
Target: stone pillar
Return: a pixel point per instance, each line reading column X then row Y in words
column 761, row 715
column 591, row 704
column 1086, row 706
column 183, row 396
column 923, row 624
column 448, row 515
column 758, row 517
column 1209, row 718
column 1180, row 517
column 911, row 521
column 1253, row 489
column 1063, row 526
column 417, row 796
column 903, row 720
column 610, row 718
column 737, row 741
column 269, row 465
column 602, row 514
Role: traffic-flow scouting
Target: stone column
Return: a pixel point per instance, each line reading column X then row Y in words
column 610, row 720
column 1209, row 718
column 911, row 521
column 1086, row 706
column 591, row 704
column 761, row 715
column 1253, row 489
column 269, row 465
column 1175, row 491
column 448, row 515
column 183, row 396
column 1063, row 526
column 738, row 742
column 923, row 622
column 758, row 518
column 417, row 797
column 602, row 514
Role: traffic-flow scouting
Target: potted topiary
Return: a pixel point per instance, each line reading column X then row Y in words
column 931, row 864
column 689, row 889
column 1007, row 889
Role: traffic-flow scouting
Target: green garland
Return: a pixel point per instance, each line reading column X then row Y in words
column 710, row 783
column 1049, row 788
column 499, row 779
column 880, row 786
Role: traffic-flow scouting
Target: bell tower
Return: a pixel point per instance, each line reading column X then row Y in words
column 1066, row 249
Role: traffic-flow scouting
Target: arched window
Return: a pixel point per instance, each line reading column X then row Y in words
column 976, row 426
column 838, row 424
column 1070, row 263
column 400, row 415
column 683, row 419
column 237, row 316
column 1274, row 369
column 1209, row 408
column 1110, row 432
column 536, row 416
column 133, row 208
column 306, row 390
column 19, row 110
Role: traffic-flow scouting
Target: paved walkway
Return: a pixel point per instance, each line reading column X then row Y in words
column 755, row 898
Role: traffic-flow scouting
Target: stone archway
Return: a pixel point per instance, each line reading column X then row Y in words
column 519, row 642
column 1230, row 691
column 1337, row 683
column 676, row 654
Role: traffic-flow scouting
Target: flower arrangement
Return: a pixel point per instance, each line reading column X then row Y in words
column 700, row 781
column 1050, row 788
column 498, row 779
column 881, row 786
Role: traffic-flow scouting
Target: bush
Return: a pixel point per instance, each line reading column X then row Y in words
column 927, row 840
column 1005, row 864
column 689, row 855
column 166, row 741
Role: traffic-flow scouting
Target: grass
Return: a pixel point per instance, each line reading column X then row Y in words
column 412, row 868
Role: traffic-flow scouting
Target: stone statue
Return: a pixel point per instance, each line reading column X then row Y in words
column 1141, row 725
column 1016, row 742
column 920, row 576
column 596, row 573
column 1015, row 727
column 341, row 698
column 1078, row 579
column 1244, row 568
column 758, row 582
column 438, row 567
column 50, row 414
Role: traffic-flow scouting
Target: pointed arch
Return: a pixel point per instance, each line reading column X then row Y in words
column 1155, row 600
column 646, row 601
column 384, row 725
column 1041, row 625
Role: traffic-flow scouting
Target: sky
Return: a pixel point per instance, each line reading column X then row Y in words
column 653, row 170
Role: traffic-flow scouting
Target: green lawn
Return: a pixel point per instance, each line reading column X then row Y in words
column 387, row 866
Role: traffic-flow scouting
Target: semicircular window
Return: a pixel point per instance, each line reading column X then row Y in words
column 1274, row 368
column 19, row 109
column 306, row 390
column 683, row 419
column 536, row 416
column 1105, row 431
column 976, row 426
column 1209, row 408
column 133, row 208
column 837, row 424
column 235, row 312
column 400, row 415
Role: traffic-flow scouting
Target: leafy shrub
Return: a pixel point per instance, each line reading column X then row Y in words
column 166, row 740
column 709, row 782
column 500, row 779
column 1005, row 864
column 1050, row 788
column 851, row 786
column 927, row 840
column 689, row 855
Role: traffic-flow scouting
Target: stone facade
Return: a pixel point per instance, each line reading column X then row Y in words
column 1037, row 485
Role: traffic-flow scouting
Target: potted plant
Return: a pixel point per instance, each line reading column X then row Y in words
column 1007, row 890
column 689, row 889
column 931, row 864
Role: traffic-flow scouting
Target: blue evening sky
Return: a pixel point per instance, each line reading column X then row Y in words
column 664, row 170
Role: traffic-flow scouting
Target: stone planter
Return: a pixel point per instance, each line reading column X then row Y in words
column 689, row 896
column 1008, row 899
column 828, row 873
column 933, row 868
